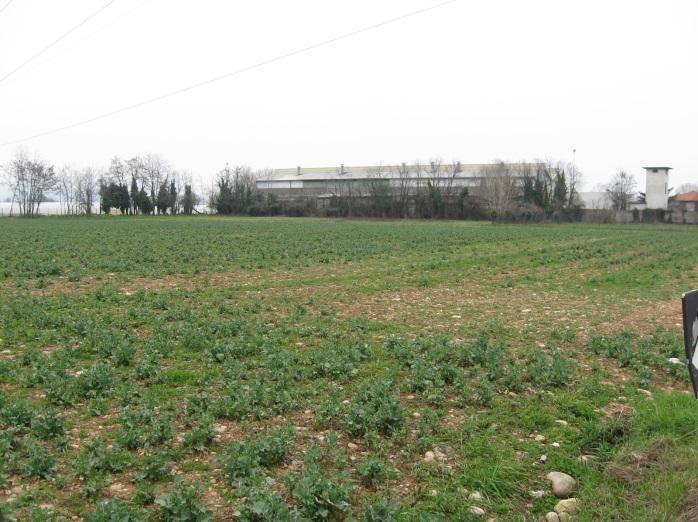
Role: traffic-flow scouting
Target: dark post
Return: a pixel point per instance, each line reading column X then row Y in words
column 689, row 302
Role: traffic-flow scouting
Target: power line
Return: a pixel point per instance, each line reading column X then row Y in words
column 6, row 5
column 57, row 40
column 237, row 72
column 77, row 42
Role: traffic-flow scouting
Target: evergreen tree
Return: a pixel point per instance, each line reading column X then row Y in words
column 146, row 204
column 173, row 198
column 134, row 195
column 163, row 199
column 188, row 200
column 560, row 191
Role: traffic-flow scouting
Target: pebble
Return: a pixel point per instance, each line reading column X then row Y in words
column 586, row 458
column 433, row 492
column 556, row 444
column 539, row 438
column 562, row 483
column 476, row 496
column 551, row 516
column 352, row 446
column 567, row 506
column 220, row 428
column 429, row 456
column 537, row 493
column 543, row 459
column 646, row 393
column 477, row 511
column 562, row 422
column 674, row 360
column 116, row 489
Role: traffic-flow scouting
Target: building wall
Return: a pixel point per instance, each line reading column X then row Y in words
column 656, row 188
column 683, row 212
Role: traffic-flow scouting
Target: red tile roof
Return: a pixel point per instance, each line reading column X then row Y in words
column 687, row 196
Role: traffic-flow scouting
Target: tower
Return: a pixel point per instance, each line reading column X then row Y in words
column 657, row 187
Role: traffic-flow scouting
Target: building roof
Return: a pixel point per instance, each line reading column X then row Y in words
column 690, row 197
column 366, row 172
column 667, row 168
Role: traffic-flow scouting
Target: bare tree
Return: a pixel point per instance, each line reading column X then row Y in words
column 86, row 190
column 155, row 171
column 30, row 180
column 380, row 191
column 403, row 189
column 574, row 181
column 620, row 190
column 67, row 189
column 687, row 187
column 498, row 187
column 451, row 172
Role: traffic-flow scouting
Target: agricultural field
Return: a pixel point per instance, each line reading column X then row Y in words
column 191, row 369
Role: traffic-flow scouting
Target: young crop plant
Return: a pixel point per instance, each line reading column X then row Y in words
column 241, row 465
column 375, row 408
column 96, row 381
column 143, row 427
column 182, row 504
column 372, row 471
column 156, row 467
column 116, row 510
column 383, row 509
column 38, row 461
column 272, row 448
column 201, row 435
column 98, row 458
column 48, row 424
column 245, row 463
column 321, row 497
column 263, row 505
column 18, row 414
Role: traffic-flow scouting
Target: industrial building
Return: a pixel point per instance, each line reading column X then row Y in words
column 323, row 182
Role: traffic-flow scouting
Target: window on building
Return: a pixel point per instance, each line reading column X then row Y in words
column 655, row 170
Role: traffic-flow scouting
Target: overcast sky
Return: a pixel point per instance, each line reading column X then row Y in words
column 471, row 80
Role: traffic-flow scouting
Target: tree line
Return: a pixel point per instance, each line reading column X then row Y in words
column 148, row 185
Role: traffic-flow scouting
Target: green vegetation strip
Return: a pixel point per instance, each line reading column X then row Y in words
column 249, row 393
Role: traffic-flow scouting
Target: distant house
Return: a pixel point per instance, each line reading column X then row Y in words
column 683, row 207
